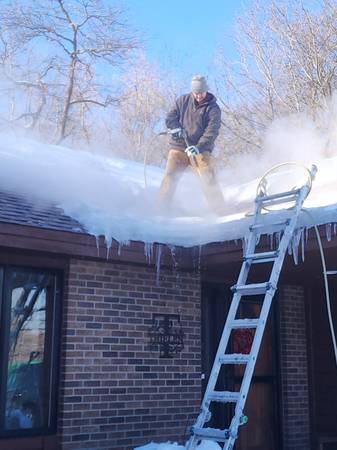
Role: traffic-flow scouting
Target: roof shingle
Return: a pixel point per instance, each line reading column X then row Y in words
column 15, row 208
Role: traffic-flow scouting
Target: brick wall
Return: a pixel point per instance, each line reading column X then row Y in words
column 116, row 393
column 294, row 369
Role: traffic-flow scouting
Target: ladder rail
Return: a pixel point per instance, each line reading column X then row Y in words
column 261, row 327
column 228, row 437
column 242, row 278
column 274, row 276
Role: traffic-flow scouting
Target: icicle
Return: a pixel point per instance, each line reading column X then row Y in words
column 294, row 245
column 328, row 231
column 257, row 239
column 271, row 241
column 108, row 248
column 97, row 244
column 199, row 260
column 159, row 249
column 148, row 251
column 278, row 238
column 244, row 242
column 306, row 235
column 290, row 249
column 175, row 263
column 172, row 250
column 334, row 229
column 119, row 251
column 294, row 250
column 243, row 246
column 173, row 255
column 108, row 244
column 194, row 259
column 302, row 243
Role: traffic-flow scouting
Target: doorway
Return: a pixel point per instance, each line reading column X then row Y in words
column 262, row 432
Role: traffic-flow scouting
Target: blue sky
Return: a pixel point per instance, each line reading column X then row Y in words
column 184, row 34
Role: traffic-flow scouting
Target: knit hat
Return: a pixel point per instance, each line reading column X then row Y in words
column 199, row 84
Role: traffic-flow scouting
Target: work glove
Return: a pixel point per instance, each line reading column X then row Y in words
column 176, row 133
column 192, row 150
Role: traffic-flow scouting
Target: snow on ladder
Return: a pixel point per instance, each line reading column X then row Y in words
column 228, row 436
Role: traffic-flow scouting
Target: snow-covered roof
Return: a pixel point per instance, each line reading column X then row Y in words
column 118, row 198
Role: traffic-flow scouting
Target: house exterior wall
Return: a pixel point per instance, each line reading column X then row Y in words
column 294, row 369
column 323, row 363
column 117, row 393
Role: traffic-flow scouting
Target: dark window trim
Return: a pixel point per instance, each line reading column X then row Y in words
column 48, row 442
column 32, row 259
column 54, row 336
column 3, row 333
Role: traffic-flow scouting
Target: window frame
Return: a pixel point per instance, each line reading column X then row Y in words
column 52, row 346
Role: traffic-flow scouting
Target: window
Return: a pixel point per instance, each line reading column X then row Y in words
column 29, row 336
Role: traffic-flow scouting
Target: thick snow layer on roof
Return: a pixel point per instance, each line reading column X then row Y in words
column 114, row 197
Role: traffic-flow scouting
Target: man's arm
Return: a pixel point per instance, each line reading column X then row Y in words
column 173, row 117
column 211, row 131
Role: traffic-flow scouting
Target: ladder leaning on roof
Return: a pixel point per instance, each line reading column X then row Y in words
column 240, row 289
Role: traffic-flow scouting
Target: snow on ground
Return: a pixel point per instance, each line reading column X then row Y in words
column 204, row 445
column 110, row 197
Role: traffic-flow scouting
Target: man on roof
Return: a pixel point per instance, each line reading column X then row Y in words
column 194, row 124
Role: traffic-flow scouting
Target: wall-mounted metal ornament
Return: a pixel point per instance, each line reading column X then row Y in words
column 166, row 335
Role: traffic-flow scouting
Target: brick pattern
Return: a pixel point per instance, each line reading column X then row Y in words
column 294, row 369
column 115, row 392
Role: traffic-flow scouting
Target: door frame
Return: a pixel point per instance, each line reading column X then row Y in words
column 209, row 343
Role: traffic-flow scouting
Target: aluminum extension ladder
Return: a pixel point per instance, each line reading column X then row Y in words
column 227, row 437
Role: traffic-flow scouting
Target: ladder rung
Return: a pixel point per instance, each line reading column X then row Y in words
column 284, row 196
column 211, row 433
column 252, row 289
column 234, row 358
column 278, row 201
column 224, row 396
column 245, row 323
column 269, row 227
column 259, row 258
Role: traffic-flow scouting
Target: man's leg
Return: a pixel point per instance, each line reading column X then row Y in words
column 177, row 162
column 203, row 165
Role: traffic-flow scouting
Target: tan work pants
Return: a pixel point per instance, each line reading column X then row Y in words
column 177, row 162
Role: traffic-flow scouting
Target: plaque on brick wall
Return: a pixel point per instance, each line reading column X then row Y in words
column 166, row 335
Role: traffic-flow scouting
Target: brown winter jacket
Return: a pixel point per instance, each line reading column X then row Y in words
column 201, row 122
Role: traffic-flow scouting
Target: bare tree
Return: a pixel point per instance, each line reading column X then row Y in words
column 18, row 81
column 81, row 41
column 286, row 64
column 147, row 96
